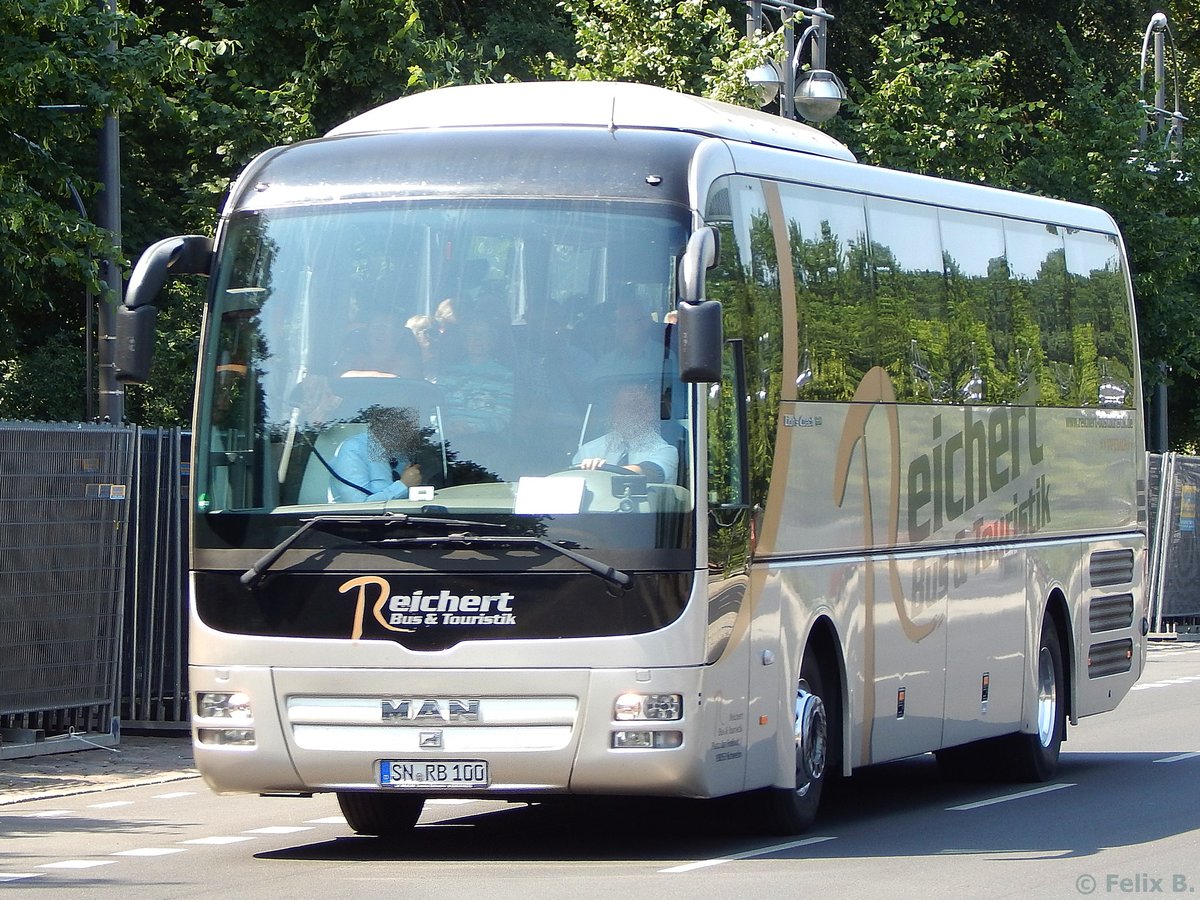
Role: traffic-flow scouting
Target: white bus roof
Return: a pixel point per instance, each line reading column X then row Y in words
column 589, row 104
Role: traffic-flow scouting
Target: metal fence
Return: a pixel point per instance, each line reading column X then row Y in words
column 154, row 653
column 1175, row 548
column 63, row 527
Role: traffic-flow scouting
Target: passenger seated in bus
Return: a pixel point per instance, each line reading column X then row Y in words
column 478, row 385
column 633, row 441
column 381, row 347
column 429, row 339
column 371, row 352
column 378, row 464
column 636, row 344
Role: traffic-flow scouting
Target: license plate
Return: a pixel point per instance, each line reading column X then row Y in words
column 433, row 774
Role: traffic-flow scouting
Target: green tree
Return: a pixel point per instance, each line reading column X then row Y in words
column 57, row 82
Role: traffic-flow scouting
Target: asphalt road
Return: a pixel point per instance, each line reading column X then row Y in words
column 1121, row 819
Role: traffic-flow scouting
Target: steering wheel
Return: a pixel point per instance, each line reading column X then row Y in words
column 607, row 467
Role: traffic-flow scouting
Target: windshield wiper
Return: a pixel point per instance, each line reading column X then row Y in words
column 253, row 575
column 605, row 571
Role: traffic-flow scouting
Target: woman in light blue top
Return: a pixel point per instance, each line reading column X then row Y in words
column 377, row 464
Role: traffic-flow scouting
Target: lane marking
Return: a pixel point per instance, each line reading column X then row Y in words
column 150, row 851
column 52, row 814
column 17, row 876
column 218, row 840
column 174, row 795
column 111, row 804
column 77, row 864
column 1166, row 682
column 447, row 801
column 1180, row 757
column 1019, row 796
column 748, row 854
column 328, row 820
column 278, row 829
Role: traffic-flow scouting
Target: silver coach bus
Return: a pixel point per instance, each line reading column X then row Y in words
column 586, row 438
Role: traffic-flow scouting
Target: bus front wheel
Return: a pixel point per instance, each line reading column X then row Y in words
column 375, row 813
column 792, row 810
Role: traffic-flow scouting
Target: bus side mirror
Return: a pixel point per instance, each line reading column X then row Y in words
column 135, row 343
column 190, row 254
column 700, row 337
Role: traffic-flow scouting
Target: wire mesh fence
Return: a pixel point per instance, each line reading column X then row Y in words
column 63, row 525
column 154, row 654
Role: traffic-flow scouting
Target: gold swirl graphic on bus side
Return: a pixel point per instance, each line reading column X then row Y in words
column 876, row 391
column 360, row 607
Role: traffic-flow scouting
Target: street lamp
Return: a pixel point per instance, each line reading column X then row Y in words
column 819, row 93
column 1159, row 29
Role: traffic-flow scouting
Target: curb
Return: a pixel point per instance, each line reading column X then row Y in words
column 76, row 789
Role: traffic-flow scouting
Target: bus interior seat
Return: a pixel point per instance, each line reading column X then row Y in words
column 315, row 486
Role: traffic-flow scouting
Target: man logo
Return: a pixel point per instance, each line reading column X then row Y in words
column 398, row 712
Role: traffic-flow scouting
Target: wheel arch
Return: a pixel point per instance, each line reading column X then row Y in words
column 826, row 649
column 1058, row 611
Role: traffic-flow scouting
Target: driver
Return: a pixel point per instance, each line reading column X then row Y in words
column 633, row 441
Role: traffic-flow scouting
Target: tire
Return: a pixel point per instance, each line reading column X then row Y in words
column 1034, row 757
column 375, row 813
column 792, row 810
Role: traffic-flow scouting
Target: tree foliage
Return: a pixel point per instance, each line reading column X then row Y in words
column 1033, row 95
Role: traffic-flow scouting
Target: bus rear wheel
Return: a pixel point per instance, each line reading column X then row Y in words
column 792, row 810
column 1034, row 757
column 375, row 813
column 1020, row 757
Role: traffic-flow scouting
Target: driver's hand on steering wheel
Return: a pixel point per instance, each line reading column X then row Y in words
column 593, row 463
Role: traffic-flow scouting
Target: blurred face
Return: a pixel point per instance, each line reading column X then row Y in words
column 632, row 411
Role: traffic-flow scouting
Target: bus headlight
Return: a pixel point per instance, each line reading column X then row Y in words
column 226, row 737
column 215, row 709
column 647, row 740
column 645, row 707
column 217, row 705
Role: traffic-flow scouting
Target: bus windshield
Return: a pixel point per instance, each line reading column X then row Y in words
column 496, row 359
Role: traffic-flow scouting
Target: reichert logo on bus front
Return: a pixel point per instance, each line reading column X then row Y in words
column 397, row 611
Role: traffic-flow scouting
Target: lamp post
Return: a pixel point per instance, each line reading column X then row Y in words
column 818, row 94
column 1157, row 31
column 112, row 393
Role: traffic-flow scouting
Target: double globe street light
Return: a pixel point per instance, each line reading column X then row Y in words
column 818, row 93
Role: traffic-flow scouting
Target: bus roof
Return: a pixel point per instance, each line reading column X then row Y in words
column 590, row 104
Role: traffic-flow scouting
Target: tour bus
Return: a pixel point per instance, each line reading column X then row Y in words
column 595, row 439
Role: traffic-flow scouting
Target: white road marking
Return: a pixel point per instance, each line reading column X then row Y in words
column 1179, row 757
column 52, row 814
column 77, row 864
column 17, row 876
column 111, row 804
column 1019, row 796
column 174, row 795
column 278, row 829
column 328, row 820
column 218, row 840
column 151, row 851
column 748, row 854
